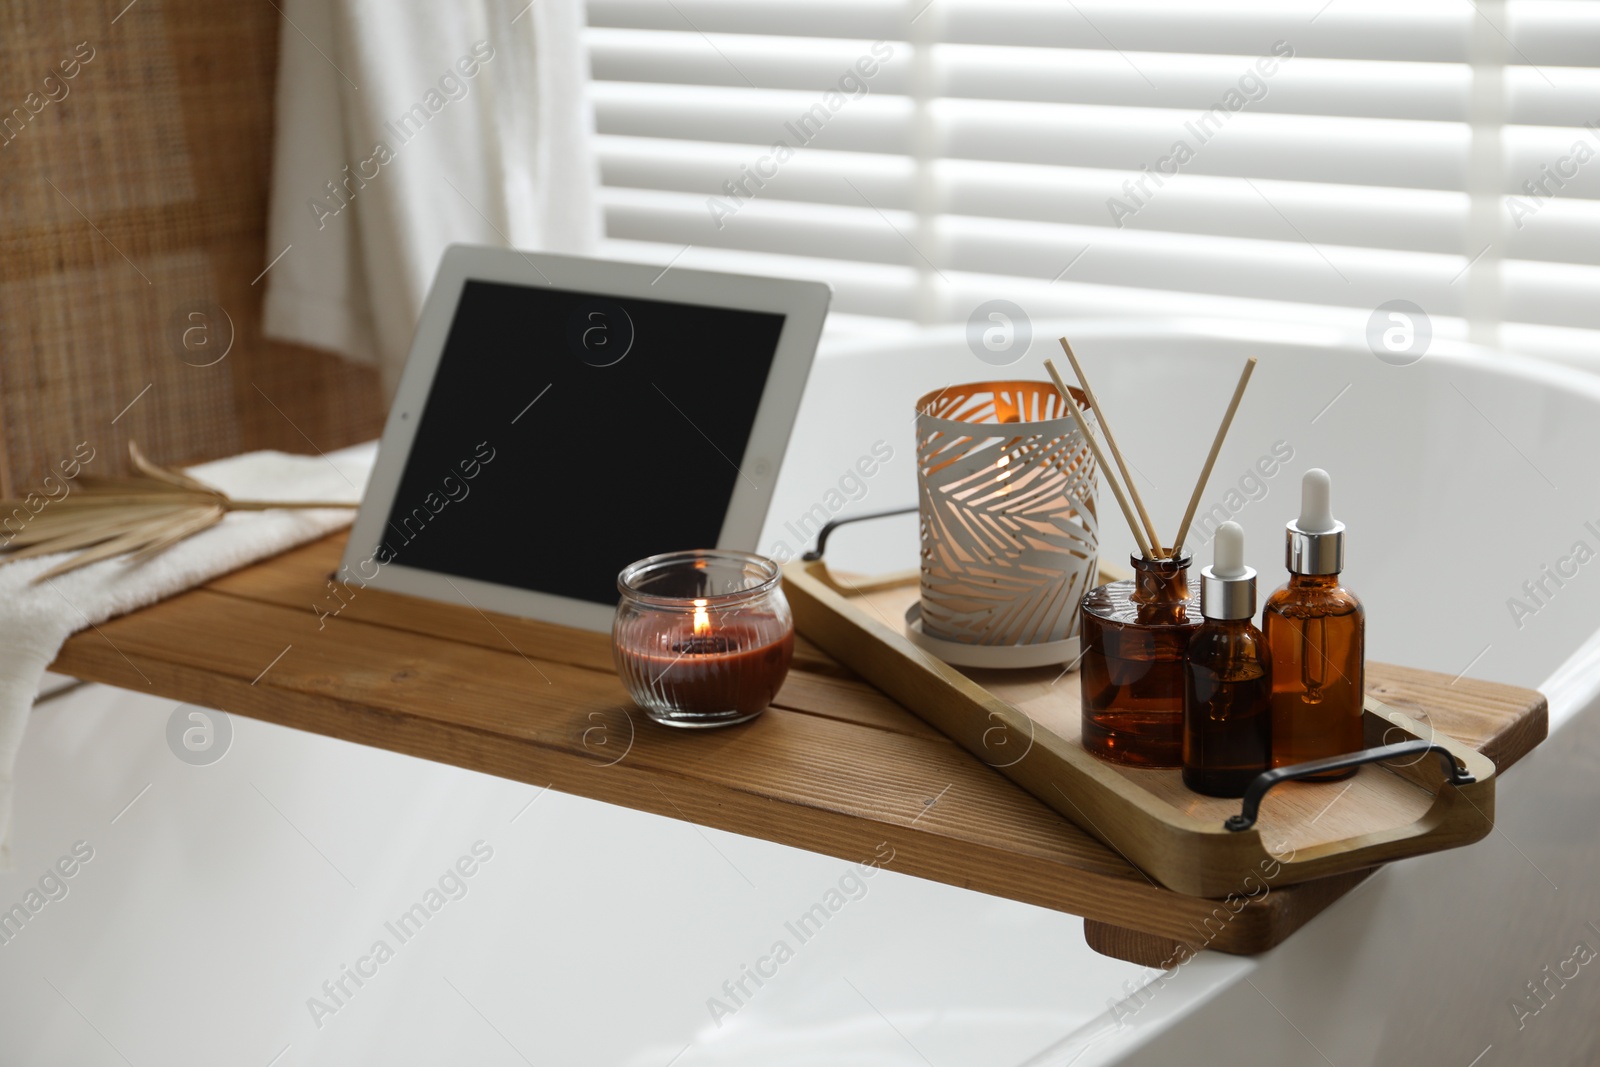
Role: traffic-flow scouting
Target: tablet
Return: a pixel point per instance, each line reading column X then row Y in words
column 560, row 417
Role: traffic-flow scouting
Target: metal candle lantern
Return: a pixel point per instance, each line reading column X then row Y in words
column 1006, row 488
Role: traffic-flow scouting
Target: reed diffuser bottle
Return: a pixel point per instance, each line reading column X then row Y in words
column 1316, row 632
column 1227, row 711
column 1136, row 632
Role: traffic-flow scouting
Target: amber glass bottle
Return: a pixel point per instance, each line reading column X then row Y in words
column 1316, row 634
column 1227, row 714
column 1135, row 634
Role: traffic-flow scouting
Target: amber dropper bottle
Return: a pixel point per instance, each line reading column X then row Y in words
column 1227, row 714
column 1316, row 633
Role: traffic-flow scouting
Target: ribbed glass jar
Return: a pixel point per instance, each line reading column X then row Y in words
column 702, row 638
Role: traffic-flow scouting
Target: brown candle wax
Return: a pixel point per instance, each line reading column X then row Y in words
column 720, row 670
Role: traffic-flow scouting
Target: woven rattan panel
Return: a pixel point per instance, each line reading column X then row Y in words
column 133, row 198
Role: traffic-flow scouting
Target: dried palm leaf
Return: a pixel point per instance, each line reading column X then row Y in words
column 140, row 514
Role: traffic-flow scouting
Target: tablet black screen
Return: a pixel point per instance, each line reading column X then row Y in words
column 568, row 434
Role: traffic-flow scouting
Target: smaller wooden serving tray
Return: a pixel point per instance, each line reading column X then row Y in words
column 1025, row 724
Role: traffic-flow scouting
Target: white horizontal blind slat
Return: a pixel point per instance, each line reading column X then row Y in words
column 1411, row 220
column 1556, row 96
column 1554, row 33
column 1284, row 269
column 869, row 289
column 1315, row 148
column 751, row 116
column 1562, row 230
column 1429, row 155
column 1407, row 154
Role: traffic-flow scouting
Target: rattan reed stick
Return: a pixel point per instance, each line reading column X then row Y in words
column 1105, row 468
column 1216, row 447
column 1111, row 443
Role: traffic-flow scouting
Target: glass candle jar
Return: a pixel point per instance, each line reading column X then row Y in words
column 702, row 638
column 1135, row 634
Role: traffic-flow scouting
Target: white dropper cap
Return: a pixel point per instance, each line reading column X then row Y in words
column 1315, row 542
column 1227, row 560
column 1316, row 515
column 1228, row 587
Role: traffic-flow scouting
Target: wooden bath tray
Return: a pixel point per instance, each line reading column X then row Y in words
column 833, row 766
column 1025, row 724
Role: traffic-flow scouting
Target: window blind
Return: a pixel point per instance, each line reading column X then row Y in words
column 1305, row 162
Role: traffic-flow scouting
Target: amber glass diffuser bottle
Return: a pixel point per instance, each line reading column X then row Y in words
column 1227, row 711
column 1135, row 633
column 1316, row 633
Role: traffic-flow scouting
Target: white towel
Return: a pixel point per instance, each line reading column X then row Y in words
column 404, row 128
column 36, row 619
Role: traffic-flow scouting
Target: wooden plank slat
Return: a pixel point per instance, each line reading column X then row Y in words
column 305, row 577
column 287, row 579
column 1481, row 714
column 835, row 767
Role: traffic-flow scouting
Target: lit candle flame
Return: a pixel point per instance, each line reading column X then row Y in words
column 702, row 621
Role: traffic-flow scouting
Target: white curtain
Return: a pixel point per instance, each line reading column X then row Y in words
column 405, row 128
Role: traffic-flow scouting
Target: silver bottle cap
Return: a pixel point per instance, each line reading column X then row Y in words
column 1314, row 543
column 1314, row 553
column 1228, row 587
column 1228, row 598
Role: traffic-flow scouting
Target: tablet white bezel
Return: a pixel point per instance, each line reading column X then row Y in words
column 803, row 304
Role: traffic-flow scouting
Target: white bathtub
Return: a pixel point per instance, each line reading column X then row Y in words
column 220, row 898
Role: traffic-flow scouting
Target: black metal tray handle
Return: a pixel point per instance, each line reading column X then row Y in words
column 1246, row 818
column 833, row 524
